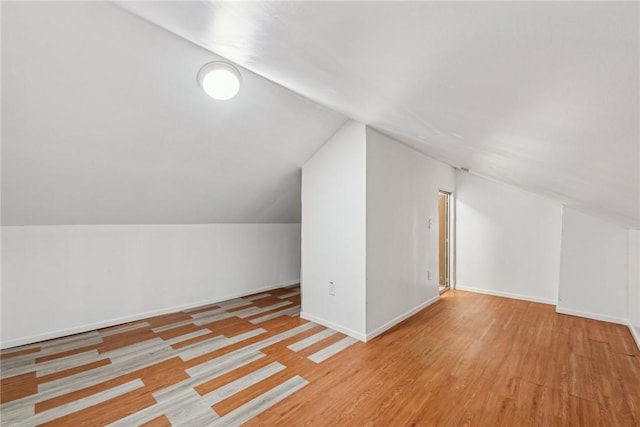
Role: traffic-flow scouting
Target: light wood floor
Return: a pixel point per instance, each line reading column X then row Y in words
column 469, row 359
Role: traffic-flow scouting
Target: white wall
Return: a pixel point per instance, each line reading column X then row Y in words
column 58, row 280
column 593, row 268
column 333, row 232
column 634, row 283
column 508, row 240
column 402, row 194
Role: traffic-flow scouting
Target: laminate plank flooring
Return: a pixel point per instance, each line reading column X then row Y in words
column 150, row 371
column 469, row 359
column 474, row 359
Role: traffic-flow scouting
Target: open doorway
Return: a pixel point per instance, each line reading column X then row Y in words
column 444, row 281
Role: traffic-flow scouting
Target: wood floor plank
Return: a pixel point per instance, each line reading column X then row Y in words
column 105, row 412
column 311, row 340
column 83, row 403
column 8, row 354
column 161, row 421
column 72, row 371
column 54, row 356
column 246, row 397
column 19, row 386
column 332, row 350
column 232, row 375
column 262, row 402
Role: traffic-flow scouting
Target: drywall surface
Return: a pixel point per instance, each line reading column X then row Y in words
column 540, row 95
column 119, row 132
column 333, row 232
column 508, row 240
column 634, row 282
column 58, row 280
column 402, row 195
column 593, row 268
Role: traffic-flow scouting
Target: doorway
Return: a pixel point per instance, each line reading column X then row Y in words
column 444, row 239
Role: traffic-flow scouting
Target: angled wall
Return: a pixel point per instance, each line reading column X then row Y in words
column 402, row 195
column 333, row 232
column 593, row 268
column 516, row 244
column 366, row 205
column 508, row 240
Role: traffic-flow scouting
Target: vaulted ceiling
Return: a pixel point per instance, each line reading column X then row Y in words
column 101, row 106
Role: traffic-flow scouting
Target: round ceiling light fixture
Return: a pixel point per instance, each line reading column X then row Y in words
column 219, row 80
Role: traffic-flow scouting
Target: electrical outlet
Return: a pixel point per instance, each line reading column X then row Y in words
column 332, row 288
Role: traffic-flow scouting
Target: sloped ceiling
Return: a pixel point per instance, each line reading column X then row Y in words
column 103, row 123
column 541, row 95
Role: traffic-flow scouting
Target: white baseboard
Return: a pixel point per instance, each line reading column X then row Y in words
column 132, row 318
column 400, row 318
column 593, row 316
column 334, row 326
column 506, row 295
column 635, row 333
column 292, row 284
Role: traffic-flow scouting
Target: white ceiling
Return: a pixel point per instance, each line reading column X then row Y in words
column 103, row 123
column 541, row 95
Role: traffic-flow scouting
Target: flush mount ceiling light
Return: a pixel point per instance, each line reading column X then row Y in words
column 219, row 80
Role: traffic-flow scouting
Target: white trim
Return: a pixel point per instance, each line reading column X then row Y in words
column 357, row 335
column 291, row 284
column 593, row 316
column 132, row 318
column 634, row 333
column 506, row 295
column 400, row 318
